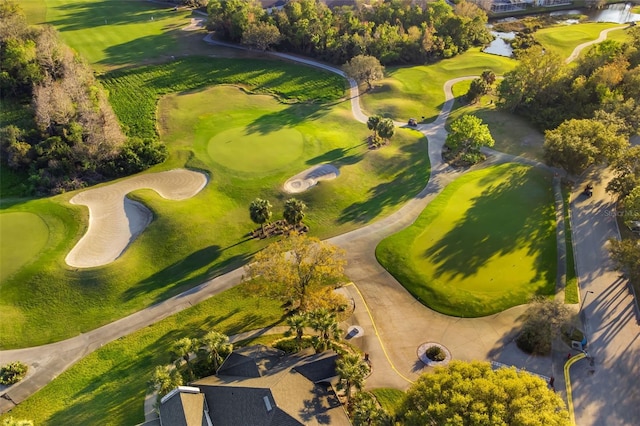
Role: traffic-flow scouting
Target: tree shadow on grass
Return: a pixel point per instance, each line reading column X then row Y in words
column 174, row 278
column 291, row 116
column 82, row 15
column 411, row 176
column 504, row 217
column 338, row 156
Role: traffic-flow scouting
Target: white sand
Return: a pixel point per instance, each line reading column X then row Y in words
column 310, row 177
column 115, row 221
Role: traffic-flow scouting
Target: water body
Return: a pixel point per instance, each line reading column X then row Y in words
column 617, row 13
column 500, row 45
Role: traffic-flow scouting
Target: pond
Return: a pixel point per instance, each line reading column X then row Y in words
column 619, row 13
column 500, row 45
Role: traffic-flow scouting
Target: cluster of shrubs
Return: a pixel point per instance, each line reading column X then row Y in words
column 13, row 372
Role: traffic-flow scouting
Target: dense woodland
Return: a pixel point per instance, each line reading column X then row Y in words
column 395, row 32
column 69, row 136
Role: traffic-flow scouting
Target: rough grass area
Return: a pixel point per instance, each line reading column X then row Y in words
column 417, row 91
column 23, row 235
column 512, row 134
column 108, row 387
column 197, row 239
column 389, row 399
column 134, row 93
column 485, row 244
column 571, row 295
column 563, row 39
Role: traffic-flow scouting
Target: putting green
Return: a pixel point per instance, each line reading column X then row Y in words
column 485, row 244
column 256, row 152
column 23, row 235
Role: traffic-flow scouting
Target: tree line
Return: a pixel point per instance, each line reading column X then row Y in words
column 588, row 110
column 68, row 136
column 395, row 32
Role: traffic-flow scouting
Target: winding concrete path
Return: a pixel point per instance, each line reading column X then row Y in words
column 602, row 37
column 395, row 323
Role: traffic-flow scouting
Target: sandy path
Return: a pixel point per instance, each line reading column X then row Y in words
column 310, row 177
column 115, row 221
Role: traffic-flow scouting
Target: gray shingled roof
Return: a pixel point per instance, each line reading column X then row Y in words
column 183, row 409
column 294, row 397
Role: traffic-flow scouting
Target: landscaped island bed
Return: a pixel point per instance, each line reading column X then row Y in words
column 485, row 244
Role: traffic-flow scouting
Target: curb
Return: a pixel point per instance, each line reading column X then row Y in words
column 567, row 380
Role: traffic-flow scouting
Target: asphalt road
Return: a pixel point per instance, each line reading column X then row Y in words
column 608, row 392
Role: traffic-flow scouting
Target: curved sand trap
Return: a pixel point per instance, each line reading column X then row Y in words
column 310, row 177
column 115, row 221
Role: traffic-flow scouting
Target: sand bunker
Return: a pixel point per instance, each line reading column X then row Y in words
column 310, row 177
column 115, row 221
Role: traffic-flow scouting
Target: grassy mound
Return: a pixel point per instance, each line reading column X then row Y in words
column 417, row 91
column 485, row 244
column 563, row 39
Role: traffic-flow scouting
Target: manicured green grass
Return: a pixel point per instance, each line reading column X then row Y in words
column 390, row 399
column 417, row 91
column 240, row 149
column 621, row 36
column 134, row 92
column 193, row 240
column 485, row 244
column 571, row 288
column 23, row 235
column 34, row 10
column 512, row 134
column 116, row 33
column 108, row 387
column 562, row 39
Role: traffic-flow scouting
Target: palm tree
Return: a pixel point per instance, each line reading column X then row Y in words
column 352, row 371
column 372, row 124
column 260, row 212
column 386, row 128
column 182, row 349
column 365, row 411
column 164, row 381
column 296, row 324
column 216, row 347
column 325, row 323
column 294, row 211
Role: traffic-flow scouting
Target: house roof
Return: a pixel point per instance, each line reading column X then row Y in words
column 284, row 394
column 251, row 361
column 183, row 409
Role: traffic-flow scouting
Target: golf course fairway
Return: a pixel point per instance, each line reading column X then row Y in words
column 485, row 244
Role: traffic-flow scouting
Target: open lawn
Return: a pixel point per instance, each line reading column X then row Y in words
column 108, row 387
column 196, row 239
column 485, row 244
column 512, row 133
column 562, row 39
column 417, row 91
column 127, row 32
column 23, row 235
